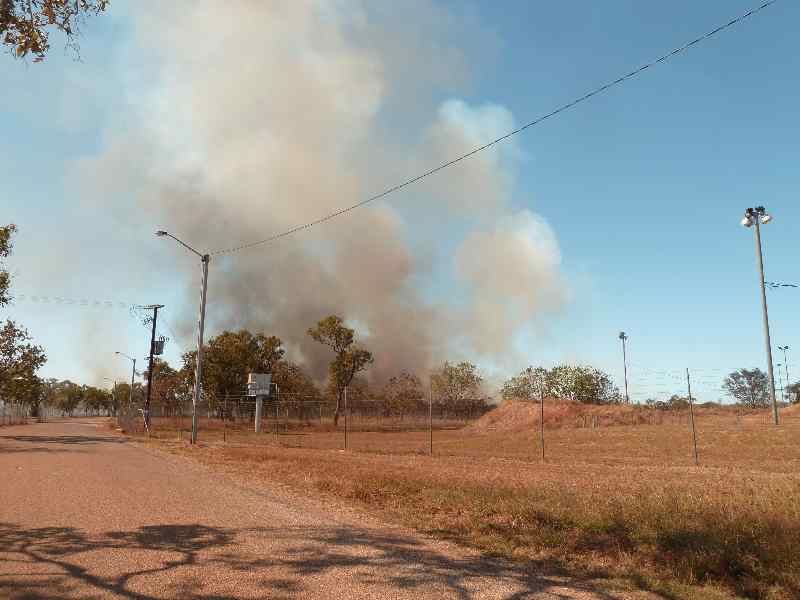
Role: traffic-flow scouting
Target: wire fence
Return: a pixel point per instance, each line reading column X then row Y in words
column 645, row 435
column 17, row 413
column 12, row 413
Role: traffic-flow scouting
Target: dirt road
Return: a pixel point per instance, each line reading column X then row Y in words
column 87, row 514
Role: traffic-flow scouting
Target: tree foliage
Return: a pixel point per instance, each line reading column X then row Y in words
column 529, row 385
column 402, row 394
column 6, row 245
column 19, row 358
column 749, row 387
column 25, row 24
column 350, row 359
column 19, row 362
column 228, row 358
column 454, row 383
column 583, row 384
column 793, row 392
column 170, row 389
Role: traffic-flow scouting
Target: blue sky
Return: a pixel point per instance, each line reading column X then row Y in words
column 643, row 186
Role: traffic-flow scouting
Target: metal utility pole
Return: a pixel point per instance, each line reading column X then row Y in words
column 691, row 416
column 624, row 338
column 150, row 374
column 758, row 216
column 198, row 370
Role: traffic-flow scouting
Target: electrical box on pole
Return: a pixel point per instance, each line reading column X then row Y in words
column 158, row 346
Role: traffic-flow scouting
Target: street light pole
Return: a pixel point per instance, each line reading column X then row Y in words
column 198, row 369
column 133, row 374
column 758, row 216
column 624, row 337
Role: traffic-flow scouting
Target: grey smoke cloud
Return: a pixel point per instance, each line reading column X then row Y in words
column 258, row 116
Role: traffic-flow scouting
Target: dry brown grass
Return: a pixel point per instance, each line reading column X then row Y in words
column 621, row 501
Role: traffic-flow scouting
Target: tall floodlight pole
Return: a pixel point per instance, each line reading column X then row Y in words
column 133, row 374
column 624, row 338
column 758, row 216
column 786, row 349
column 198, row 369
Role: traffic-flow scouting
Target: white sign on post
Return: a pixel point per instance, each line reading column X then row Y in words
column 259, row 384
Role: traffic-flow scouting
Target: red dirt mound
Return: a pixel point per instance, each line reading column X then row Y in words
column 517, row 415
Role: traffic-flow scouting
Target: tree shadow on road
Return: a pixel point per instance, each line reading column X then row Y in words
column 46, row 562
column 50, row 562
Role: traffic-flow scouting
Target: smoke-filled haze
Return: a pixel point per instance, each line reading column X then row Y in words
column 249, row 118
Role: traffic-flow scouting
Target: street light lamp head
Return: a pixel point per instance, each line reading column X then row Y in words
column 161, row 233
column 747, row 221
column 622, row 335
column 766, row 219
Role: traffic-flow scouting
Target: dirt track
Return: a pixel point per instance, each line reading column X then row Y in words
column 87, row 514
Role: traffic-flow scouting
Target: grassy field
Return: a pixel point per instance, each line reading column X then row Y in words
column 621, row 502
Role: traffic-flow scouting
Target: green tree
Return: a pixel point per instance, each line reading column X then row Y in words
column 528, row 385
column 456, row 387
column 169, row 388
column 19, row 358
column 124, row 395
column 402, row 394
column 349, row 360
column 19, row 361
column 583, row 384
column 24, row 24
column 97, row 399
column 6, row 245
column 294, row 382
column 68, row 396
column 228, row 359
column 749, row 387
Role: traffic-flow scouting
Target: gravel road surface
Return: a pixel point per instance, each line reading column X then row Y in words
column 85, row 513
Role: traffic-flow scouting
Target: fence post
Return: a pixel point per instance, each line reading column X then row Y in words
column 430, row 418
column 691, row 416
column 541, row 419
column 259, row 406
column 345, row 418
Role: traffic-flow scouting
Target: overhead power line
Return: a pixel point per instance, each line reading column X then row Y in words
column 775, row 284
column 473, row 152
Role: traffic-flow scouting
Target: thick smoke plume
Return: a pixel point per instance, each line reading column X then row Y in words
column 253, row 117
